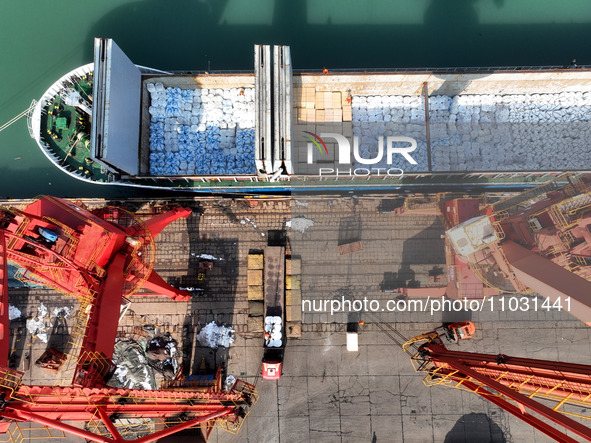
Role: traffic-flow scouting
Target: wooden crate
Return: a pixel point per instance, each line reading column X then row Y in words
column 255, row 324
column 293, row 266
column 254, row 277
column 320, row 115
column 298, row 95
column 255, row 292
column 293, row 313
column 293, row 329
column 319, row 101
column 295, row 297
column 336, row 100
column 347, row 113
column 301, row 114
column 309, row 94
column 328, row 100
column 350, row 248
column 255, row 261
column 292, row 282
column 256, row 308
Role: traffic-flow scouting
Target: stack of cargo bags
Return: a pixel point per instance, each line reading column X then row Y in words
column 380, row 116
column 479, row 132
column 201, row 131
column 273, row 328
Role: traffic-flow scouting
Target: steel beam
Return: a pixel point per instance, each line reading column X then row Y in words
column 101, row 329
column 24, row 415
column 540, row 425
column 263, row 109
column 157, row 223
column 158, row 285
column 282, row 108
column 4, row 322
column 524, row 400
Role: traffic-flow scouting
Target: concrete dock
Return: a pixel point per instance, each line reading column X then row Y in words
column 326, row 394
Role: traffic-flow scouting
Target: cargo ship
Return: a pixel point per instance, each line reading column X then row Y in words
column 113, row 122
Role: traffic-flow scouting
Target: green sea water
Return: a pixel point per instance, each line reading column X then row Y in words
column 42, row 40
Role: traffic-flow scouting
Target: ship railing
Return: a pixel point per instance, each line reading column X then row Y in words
column 579, row 184
column 561, row 220
column 30, row 119
column 334, row 177
column 496, row 224
column 572, row 264
column 449, row 69
column 567, row 238
column 445, row 69
column 556, row 249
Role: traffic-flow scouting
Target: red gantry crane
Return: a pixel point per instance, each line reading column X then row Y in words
column 99, row 257
column 462, row 281
column 523, row 387
column 537, row 241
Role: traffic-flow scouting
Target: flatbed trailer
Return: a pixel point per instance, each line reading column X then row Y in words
column 274, row 308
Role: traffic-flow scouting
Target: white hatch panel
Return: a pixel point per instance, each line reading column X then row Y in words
column 116, row 109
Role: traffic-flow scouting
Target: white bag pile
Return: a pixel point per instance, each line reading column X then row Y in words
column 201, row 131
column 213, row 336
column 273, row 327
column 480, row 132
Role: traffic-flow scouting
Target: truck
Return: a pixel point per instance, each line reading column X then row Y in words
column 274, row 312
column 453, row 332
column 457, row 331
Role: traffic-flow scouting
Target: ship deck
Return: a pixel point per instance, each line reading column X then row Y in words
column 60, row 125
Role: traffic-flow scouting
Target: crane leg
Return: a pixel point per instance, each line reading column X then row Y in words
column 156, row 284
column 157, row 223
column 4, row 327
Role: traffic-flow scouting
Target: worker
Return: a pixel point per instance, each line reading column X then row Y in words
column 267, row 337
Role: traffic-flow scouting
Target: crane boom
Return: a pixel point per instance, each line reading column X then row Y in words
column 512, row 383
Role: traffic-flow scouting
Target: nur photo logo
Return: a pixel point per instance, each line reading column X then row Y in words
column 344, row 149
